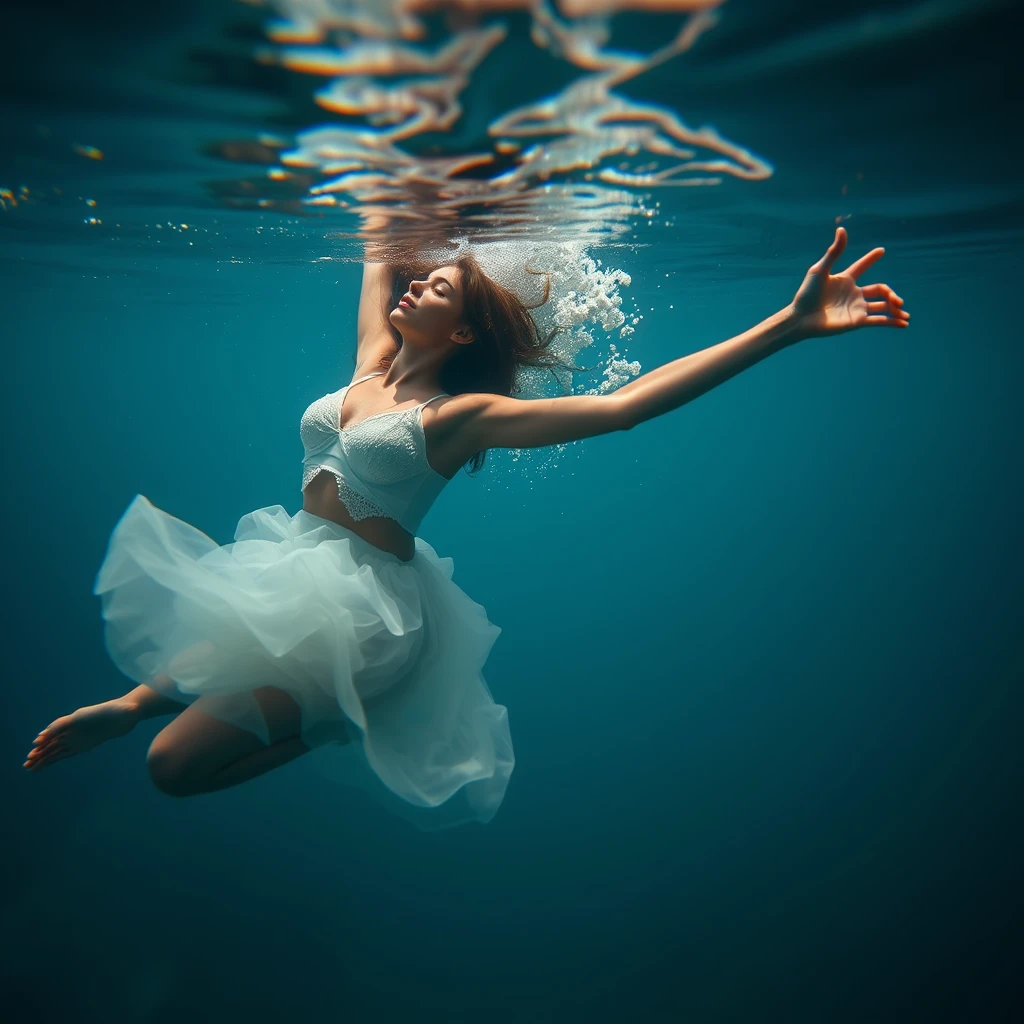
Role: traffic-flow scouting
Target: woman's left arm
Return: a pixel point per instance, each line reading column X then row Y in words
column 825, row 304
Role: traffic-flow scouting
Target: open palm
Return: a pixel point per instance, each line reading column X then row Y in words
column 828, row 303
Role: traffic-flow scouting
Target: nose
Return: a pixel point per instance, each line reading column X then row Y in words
column 415, row 288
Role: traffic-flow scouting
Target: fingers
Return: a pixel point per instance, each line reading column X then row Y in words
column 885, row 307
column 889, row 305
column 833, row 252
column 879, row 291
column 854, row 270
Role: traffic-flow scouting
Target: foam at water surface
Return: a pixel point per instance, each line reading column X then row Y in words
column 583, row 297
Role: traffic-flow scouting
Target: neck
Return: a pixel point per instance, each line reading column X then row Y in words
column 416, row 369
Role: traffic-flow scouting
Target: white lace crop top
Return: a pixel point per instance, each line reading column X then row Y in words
column 380, row 463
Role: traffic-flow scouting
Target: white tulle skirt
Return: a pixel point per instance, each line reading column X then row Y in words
column 383, row 657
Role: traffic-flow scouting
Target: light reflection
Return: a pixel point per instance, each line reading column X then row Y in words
column 577, row 164
column 527, row 180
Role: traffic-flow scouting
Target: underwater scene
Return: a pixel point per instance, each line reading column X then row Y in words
column 527, row 529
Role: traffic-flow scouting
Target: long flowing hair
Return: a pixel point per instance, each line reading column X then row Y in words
column 505, row 335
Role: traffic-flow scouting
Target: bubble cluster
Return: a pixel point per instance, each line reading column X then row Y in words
column 596, row 298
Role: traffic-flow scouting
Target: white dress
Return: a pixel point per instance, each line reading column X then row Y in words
column 384, row 657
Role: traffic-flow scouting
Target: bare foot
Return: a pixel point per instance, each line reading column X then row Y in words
column 80, row 731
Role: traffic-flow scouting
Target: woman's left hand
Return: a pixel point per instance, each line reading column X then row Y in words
column 827, row 303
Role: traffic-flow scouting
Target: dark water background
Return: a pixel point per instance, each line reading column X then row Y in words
column 762, row 656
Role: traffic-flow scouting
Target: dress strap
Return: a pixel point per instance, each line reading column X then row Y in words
column 367, row 377
column 443, row 394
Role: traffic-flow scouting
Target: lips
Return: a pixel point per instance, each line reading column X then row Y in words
column 407, row 302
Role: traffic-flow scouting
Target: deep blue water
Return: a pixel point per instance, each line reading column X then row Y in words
column 762, row 655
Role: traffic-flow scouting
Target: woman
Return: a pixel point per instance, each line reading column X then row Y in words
column 338, row 629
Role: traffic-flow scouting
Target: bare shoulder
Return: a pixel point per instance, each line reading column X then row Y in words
column 450, row 416
column 479, row 420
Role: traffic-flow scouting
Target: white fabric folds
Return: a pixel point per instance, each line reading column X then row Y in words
column 384, row 657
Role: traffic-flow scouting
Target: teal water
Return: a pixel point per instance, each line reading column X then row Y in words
column 761, row 655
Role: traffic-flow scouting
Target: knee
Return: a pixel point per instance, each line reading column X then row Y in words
column 167, row 770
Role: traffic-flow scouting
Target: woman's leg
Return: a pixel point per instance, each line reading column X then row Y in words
column 200, row 753
column 196, row 753
column 151, row 703
column 89, row 726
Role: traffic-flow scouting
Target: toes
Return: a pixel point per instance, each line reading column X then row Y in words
column 53, row 730
column 53, row 753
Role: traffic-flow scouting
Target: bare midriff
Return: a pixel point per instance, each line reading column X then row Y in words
column 321, row 494
column 321, row 498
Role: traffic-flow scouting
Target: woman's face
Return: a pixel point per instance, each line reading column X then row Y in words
column 432, row 307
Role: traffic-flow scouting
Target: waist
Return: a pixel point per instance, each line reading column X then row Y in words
column 321, row 499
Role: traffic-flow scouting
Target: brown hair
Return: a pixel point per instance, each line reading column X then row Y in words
column 505, row 335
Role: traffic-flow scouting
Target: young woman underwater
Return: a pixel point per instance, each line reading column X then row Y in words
column 338, row 629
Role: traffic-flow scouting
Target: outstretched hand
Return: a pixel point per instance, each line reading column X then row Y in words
column 827, row 303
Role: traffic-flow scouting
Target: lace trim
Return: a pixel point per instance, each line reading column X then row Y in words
column 358, row 505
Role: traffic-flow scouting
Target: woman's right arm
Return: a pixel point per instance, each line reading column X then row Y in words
column 373, row 334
